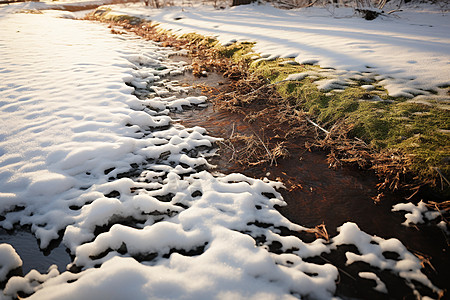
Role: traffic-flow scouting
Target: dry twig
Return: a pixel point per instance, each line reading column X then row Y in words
column 320, row 231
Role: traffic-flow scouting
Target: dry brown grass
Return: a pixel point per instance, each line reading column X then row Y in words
column 253, row 150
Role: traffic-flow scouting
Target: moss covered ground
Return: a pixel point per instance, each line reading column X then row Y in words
column 420, row 131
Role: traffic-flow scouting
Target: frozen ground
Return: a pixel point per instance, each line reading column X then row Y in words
column 82, row 157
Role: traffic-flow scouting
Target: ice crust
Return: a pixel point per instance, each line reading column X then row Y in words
column 128, row 188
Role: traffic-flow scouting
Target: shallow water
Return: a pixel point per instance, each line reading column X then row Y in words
column 32, row 256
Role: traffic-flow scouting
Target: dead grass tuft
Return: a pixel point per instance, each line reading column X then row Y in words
column 253, row 150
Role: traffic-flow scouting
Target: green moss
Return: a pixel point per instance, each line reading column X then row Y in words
column 236, row 51
column 415, row 129
column 276, row 70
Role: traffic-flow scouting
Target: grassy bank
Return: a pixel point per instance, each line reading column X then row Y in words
column 422, row 132
column 407, row 143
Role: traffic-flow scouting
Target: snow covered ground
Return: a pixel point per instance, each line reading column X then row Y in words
column 127, row 187
column 407, row 52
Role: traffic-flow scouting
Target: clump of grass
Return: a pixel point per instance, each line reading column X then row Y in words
column 253, row 150
column 236, row 51
column 414, row 129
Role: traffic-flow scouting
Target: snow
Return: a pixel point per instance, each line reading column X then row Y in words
column 371, row 250
column 9, row 260
column 409, row 49
column 417, row 214
column 297, row 76
column 144, row 282
column 56, row 139
column 127, row 186
column 380, row 286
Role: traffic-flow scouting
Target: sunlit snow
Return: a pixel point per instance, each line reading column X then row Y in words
column 9, row 260
column 416, row 214
column 409, row 50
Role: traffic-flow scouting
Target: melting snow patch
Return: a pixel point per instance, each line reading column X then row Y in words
column 297, row 76
column 368, row 87
column 9, row 260
column 371, row 249
column 417, row 214
column 380, row 286
column 326, row 85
